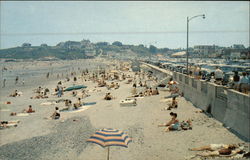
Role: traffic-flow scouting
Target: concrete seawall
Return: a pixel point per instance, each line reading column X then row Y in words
column 230, row 107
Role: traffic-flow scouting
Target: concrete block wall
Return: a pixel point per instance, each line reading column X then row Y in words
column 237, row 114
column 231, row 108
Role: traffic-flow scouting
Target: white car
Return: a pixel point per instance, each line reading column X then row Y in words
column 128, row 102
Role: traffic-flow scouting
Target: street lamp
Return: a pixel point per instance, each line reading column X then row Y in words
column 189, row 19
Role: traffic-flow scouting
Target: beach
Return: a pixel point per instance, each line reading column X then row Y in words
column 38, row 138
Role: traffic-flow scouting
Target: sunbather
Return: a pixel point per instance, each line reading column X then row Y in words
column 108, row 96
column 117, row 86
column 213, row 147
column 30, row 110
column 14, row 94
column 222, row 152
column 174, row 104
column 78, row 103
column 155, row 92
column 56, row 114
column 173, row 124
column 6, row 124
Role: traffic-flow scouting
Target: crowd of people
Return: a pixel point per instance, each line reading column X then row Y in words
column 237, row 82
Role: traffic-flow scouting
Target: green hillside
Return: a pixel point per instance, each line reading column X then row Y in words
column 40, row 52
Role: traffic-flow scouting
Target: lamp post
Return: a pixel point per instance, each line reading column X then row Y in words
column 189, row 19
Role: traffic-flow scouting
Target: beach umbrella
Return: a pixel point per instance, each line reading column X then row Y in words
column 110, row 137
column 75, row 88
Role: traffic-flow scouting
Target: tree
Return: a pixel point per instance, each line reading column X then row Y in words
column 117, row 43
column 100, row 44
column 152, row 49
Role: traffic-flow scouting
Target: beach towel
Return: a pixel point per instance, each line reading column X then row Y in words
column 75, row 88
column 47, row 103
column 89, row 103
column 4, row 110
column 22, row 114
column 80, row 109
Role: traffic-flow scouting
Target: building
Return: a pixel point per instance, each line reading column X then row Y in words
column 205, row 49
column 238, row 46
column 69, row 45
column 44, row 45
column 26, row 45
column 236, row 53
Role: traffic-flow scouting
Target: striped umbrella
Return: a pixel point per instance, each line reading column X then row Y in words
column 110, row 137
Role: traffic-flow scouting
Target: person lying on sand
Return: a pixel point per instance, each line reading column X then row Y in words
column 56, row 114
column 138, row 95
column 39, row 97
column 29, row 110
column 214, row 147
column 199, row 111
column 222, row 150
column 222, row 153
column 6, row 124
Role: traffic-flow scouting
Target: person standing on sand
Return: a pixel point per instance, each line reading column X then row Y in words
column 47, row 76
column 244, row 82
column 4, row 81
column 218, row 75
column 16, row 80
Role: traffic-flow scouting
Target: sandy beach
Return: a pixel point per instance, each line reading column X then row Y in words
column 38, row 138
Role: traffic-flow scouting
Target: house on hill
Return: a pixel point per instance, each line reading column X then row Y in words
column 26, row 45
column 44, row 45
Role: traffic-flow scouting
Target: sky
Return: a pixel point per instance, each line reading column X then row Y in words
column 159, row 23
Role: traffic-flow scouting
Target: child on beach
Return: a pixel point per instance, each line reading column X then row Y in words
column 78, row 103
column 14, row 94
column 108, row 96
column 56, row 114
column 30, row 110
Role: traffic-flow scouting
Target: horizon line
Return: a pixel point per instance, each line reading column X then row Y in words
column 103, row 33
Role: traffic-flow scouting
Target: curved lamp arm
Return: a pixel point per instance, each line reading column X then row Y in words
column 201, row 15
